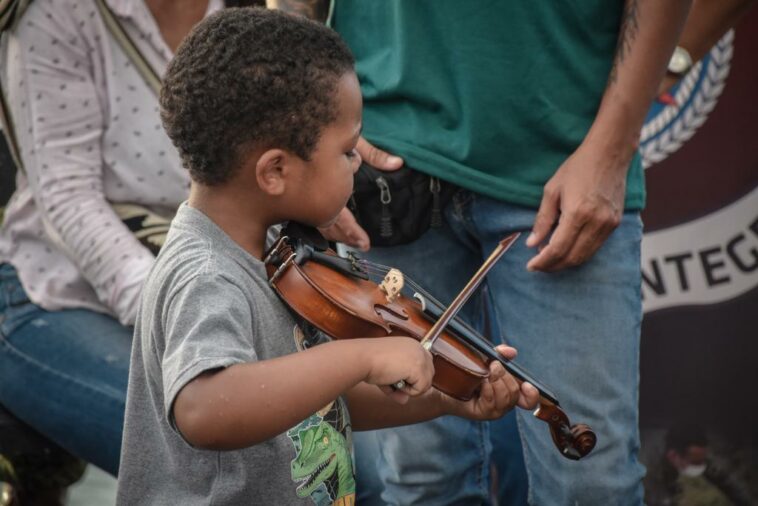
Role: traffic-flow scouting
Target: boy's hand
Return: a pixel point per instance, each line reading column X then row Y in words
column 498, row 395
column 394, row 359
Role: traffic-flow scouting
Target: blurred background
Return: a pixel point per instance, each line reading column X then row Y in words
column 699, row 408
column 700, row 264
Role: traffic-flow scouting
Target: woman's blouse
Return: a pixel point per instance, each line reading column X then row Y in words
column 90, row 135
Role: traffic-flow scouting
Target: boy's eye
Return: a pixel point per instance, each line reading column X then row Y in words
column 351, row 154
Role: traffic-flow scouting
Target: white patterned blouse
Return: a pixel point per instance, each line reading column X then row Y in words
column 90, row 135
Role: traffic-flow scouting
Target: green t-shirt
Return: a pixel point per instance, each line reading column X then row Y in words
column 492, row 96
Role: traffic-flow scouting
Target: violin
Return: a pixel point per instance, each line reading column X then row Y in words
column 337, row 296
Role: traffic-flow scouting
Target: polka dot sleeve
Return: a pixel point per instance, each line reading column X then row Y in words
column 61, row 112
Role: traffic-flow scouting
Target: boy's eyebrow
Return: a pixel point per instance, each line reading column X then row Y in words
column 359, row 132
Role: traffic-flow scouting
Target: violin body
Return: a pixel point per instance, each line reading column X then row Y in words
column 346, row 307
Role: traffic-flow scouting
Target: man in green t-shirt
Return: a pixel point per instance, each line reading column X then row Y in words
column 534, row 110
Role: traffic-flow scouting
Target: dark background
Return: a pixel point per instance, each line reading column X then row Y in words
column 701, row 363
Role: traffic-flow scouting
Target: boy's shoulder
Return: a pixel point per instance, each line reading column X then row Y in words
column 196, row 248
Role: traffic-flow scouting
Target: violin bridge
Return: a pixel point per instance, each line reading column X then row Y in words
column 392, row 284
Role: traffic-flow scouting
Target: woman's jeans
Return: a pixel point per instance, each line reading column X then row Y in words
column 64, row 373
column 577, row 331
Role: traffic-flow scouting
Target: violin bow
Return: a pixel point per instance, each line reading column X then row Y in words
column 573, row 441
column 434, row 332
column 469, row 289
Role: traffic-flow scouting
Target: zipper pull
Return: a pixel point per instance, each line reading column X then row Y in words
column 435, row 187
column 385, row 223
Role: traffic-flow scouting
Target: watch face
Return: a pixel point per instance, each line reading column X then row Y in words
column 680, row 61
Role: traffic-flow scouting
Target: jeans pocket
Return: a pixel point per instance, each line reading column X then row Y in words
column 11, row 290
column 14, row 317
column 461, row 200
column 15, row 306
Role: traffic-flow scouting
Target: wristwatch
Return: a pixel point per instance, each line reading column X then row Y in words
column 680, row 62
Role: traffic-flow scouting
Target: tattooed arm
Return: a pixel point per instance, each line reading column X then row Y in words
column 317, row 10
column 586, row 194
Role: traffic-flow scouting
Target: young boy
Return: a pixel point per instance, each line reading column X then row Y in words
column 265, row 109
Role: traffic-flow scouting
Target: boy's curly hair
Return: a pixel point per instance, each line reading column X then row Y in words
column 250, row 78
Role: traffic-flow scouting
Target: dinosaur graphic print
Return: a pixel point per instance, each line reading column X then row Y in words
column 323, row 463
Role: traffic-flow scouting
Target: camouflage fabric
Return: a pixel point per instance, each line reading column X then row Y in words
column 699, row 492
column 38, row 478
column 8, row 483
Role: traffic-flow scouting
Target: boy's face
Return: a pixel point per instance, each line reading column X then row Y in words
column 327, row 181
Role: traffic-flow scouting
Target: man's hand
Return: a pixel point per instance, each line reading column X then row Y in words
column 498, row 394
column 586, row 198
column 377, row 158
column 345, row 229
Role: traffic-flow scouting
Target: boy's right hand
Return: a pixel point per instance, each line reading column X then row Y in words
column 394, row 359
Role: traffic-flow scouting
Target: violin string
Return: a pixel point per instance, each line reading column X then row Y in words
column 376, row 268
column 382, row 270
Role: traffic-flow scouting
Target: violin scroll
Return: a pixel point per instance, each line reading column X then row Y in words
column 584, row 438
column 573, row 441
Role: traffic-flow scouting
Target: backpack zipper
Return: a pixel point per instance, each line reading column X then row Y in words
column 435, row 187
column 385, row 223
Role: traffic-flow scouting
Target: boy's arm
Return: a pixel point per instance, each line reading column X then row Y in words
column 248, row 403
column 370, row 409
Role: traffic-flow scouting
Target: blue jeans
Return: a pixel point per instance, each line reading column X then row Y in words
column 64, row 373
column 577, row 331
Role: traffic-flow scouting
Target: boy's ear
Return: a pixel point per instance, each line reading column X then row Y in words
column 272, row 171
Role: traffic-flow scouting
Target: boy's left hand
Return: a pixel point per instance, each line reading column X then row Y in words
column 498, row 394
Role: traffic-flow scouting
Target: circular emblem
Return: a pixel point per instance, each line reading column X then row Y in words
column 668, row 126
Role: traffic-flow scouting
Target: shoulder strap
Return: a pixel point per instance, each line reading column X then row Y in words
column 147, row 72
column 9, row 131
column 10, row 12
column 329, row 14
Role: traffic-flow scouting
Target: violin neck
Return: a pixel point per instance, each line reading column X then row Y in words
column 433, row 310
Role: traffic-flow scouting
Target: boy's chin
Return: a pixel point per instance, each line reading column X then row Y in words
column 329, row 223
column 324, row 224
column 320, row 224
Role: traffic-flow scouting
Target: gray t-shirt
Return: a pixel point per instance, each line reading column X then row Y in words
column 206, row 305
